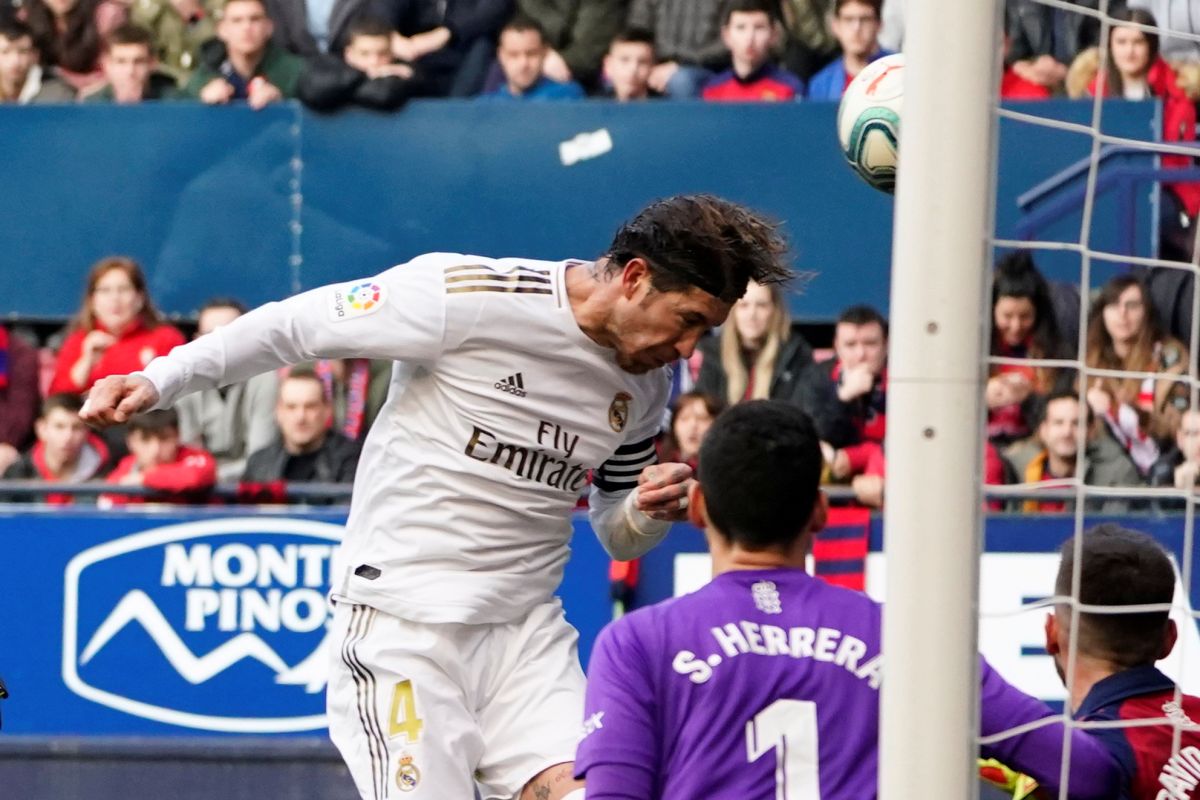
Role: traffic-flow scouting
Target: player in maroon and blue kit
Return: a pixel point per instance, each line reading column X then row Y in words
column 1114, row 678
column 765, row 683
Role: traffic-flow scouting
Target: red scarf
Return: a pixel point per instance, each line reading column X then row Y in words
column 3, row 357
column 357, row 382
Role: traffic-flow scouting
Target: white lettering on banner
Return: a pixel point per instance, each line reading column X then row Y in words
column 1007, row 581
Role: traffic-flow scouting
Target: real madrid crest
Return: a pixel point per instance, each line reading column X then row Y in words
column 407, row 775
column 618, row 411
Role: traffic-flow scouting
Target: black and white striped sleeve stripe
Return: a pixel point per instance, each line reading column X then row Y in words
column 620, row 473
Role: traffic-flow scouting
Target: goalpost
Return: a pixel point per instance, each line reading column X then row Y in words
column 932, row 525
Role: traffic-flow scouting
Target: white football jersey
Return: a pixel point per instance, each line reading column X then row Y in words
column 498, row 408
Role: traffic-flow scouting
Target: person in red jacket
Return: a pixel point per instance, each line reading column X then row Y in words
column 1137, row 72
column 156, row 460
column 117, row 330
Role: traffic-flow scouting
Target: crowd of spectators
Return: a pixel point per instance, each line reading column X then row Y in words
column 379, row 53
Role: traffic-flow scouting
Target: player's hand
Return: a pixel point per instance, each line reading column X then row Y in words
column 662, row 491
column 115, row 399
column 216, row 92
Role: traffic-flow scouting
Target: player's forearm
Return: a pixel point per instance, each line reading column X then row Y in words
column 625, row 532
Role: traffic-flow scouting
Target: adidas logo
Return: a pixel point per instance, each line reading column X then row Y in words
column 513, row 384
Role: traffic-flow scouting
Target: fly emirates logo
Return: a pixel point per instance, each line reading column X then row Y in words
column 548, row 463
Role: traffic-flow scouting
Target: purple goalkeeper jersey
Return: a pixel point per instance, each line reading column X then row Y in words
column 765, row 684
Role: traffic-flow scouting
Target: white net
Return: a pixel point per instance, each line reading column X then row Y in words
column 1114, row 208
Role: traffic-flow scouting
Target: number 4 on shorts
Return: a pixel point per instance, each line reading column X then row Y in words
column 403, row 718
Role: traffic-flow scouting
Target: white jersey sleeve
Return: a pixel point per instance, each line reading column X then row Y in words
column 397, row 315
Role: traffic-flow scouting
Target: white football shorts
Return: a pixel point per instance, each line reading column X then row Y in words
column 438, row 710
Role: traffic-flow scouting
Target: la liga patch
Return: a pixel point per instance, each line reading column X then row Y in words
column 356, row 299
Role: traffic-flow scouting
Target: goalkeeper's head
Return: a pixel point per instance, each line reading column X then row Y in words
column 758, row 497
column 1118, row 567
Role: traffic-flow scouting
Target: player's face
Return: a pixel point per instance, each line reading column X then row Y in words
column 856, row 27
column 1013, row 318
column 127, row 67
column 521, row 54
column 302, row 412
column 1188, row 436
column 16, row 58
column 628, row 66
column 1124, row 319
column 860, row 345
column 1130, row 52
column 62, row 434
column 153, row 449
column 692, row 421
column 748, row 36
column 652, row 328
column 1059, row 430
column 753, row 315
column 245, row 27
column 116, row 302
column 367, row 53
column 216, row 317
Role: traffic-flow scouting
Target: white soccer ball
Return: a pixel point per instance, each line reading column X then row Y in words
column 869, row 121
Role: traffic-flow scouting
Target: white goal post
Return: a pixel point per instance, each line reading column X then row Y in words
column 937, row 364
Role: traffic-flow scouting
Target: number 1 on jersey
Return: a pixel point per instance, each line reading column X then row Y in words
column 403, row 718
column 789, row 727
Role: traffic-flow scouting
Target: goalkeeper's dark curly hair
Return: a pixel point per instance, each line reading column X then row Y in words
column 703, row 241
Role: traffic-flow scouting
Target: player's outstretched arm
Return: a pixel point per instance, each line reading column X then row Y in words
column 115, row 399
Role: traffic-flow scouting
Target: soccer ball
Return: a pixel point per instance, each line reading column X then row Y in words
column 869, row 121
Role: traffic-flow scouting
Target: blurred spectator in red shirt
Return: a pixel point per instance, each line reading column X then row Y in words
column 65, row 452
column 751, row 31
column 18, row 394
column 177, row 473
column 68, row 34
column 117, row 330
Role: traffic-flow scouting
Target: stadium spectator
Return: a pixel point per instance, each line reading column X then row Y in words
column 1124, row 334
column 855, row 24
column 1180, row 466
column 116, row 330
column 1136, row 71
column 307, row 450
column 130, row 71
column 1044, row 39
column 252, row 67
column 1015, row 87
column 233, row 421
column 307, row 29
column 175, row 472
column 365, row 75
column 808, row 42
column 1052, row 456
column 68, row 35
column 450, row 42
column 65, row 451
column 180, row 30
column 355, row 388
column 847, row 398
column 689, row 698
column 578, row 33
column 18, row 394
column 687, row 42
column 1175, row 16
column 22, row 79
column 751, row 32
column 521, row 52
column 692, row 414
column 1023, row 327
column 1108, row 662
column 757, row 354
column 627, row 66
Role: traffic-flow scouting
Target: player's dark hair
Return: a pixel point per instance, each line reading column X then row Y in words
column 154, row 423
column 760, row 466
column 67, row 401
column 768, row 7
column 703, row 241
column 1119, row 567
column 877, row 5
column 862, row 315
column 129, row 34
column 521, row 23
column 13, row 29
column 633, row 36
column 368, row 26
